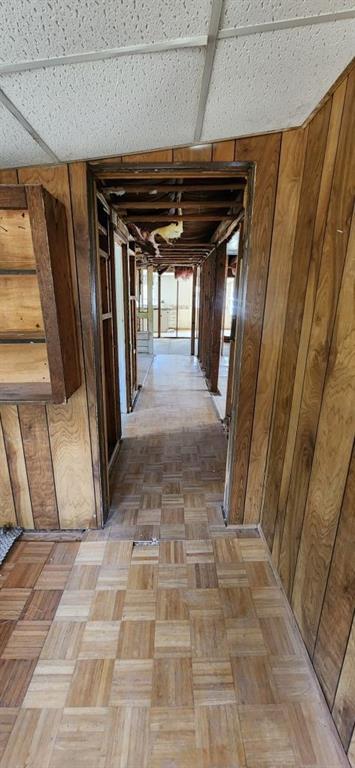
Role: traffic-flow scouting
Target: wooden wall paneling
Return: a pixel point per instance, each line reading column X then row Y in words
column 156, row 156
column 218, row 297
column 84, row 261
column 38, row 457
column 264, row 151
column 68, row 424
column 330, row 462
column 7, row 506
column 339, row 601
column 17, row 465
column 8, row 176
column 316, row 143
column 330, row 244
column 223, row 151
column 199, row 154
column 344, row 705
column 293, row 146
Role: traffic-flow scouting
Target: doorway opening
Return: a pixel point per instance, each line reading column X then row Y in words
column 178, row 243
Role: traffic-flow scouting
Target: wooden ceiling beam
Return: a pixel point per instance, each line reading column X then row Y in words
column 127, row 174
column 175, row 217
column 183, row 204
column 146, row 188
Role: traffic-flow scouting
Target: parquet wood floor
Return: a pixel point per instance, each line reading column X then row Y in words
column 115, row 654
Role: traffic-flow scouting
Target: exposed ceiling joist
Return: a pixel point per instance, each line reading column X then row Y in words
column 150, row 188
column 183, row 204
column 177, row 217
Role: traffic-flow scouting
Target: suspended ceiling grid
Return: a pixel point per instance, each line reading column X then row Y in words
column 91, row 79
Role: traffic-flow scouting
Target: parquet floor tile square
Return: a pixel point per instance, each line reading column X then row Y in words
column 139, row 604
column 8, row 717
column 12, row 603
column 6, row 629
column 136, row 640
column 172, row 577
column 213, row 682
column 107, row 605
column 254, row 681
column 99, row 640
column 32, row 739
column 219, row 738
column 81, row 738
column 53, row 577
column 63, row 640
column 15, row 677
column 112, row 577
column 172, row 553
column 27, row 640
column 42, row 605
column 90, row 684
column 49, row 685
column 75, row 605
column 172, row 737
column 83, row 577
column 91, row 553
column 129, row 744
column 172, row 639
column 266, row 736
column 172, row 683
column 142, row 576
column 171, row 604
column 245, row 638
column 132, row 683
column 209, row 639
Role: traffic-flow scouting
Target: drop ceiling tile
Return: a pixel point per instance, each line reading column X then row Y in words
column 274, row 80
column 110, row 107
column 242, row 13
column 16, row 145
column 44, row 29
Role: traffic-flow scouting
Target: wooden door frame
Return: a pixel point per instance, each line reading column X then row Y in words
column 208, row 169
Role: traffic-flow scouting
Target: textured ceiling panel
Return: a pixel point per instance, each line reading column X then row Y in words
column 121, row 105
column 16, row 145
column 44, row 29
column 241, row 13
column 274, row 80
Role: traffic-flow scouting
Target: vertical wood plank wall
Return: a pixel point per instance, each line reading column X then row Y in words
column 49, row 475
column 294, row 469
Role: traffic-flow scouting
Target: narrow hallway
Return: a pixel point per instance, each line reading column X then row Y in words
column 170, row 475
column 177, row 654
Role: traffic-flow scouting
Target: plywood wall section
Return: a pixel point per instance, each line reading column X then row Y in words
column 51, row 451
